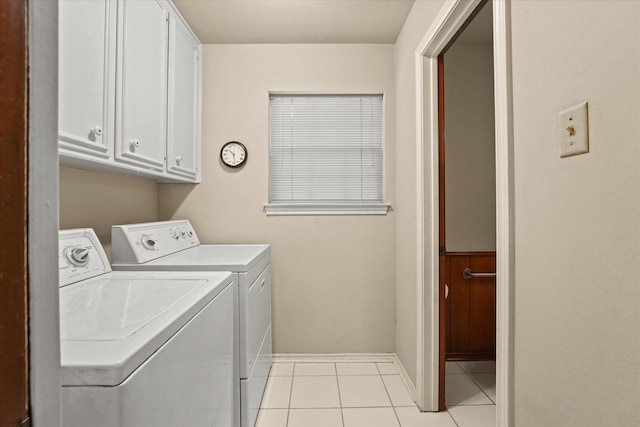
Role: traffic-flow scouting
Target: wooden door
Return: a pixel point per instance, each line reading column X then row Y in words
column 14, row 390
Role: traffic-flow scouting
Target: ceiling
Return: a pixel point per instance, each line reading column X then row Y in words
column 295, row 21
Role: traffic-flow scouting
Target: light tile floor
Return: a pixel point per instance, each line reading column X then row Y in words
column 372, row 394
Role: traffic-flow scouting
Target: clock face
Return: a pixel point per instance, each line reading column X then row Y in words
column 233, row 154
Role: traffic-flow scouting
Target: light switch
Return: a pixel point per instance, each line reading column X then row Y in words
column 574, row 130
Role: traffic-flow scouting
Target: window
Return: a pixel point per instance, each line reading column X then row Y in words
column 326, row 155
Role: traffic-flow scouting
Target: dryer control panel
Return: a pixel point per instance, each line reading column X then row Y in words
column 80, row 256
column 140, row 243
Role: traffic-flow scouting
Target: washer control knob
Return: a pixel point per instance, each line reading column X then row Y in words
column 148, row 242
column 190, row 233
column 77, row 256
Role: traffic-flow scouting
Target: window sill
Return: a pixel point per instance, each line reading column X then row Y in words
column 272, row 209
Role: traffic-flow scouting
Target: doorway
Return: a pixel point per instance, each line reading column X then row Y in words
column 467, row 219
column 448, row 24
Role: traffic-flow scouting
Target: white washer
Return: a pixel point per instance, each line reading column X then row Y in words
column 144, row 349
column 174, row 245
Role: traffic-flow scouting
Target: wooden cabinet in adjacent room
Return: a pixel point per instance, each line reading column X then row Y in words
column 470, row 307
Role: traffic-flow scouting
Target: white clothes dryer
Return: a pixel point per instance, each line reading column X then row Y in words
column 144, row 349
column 174, row 245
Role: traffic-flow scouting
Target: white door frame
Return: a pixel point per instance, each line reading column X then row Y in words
column 44, row 314
column 450, row 19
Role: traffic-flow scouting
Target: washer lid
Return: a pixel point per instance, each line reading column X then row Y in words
column 114, row 309
column 110, row 325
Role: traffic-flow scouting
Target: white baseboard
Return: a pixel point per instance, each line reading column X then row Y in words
column 405, row 376
column 352, row 357
column 335, row 357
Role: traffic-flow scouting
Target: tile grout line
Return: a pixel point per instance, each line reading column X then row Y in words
column 480, row 387
column 351, row 407
column 445, row 405
column 335, row 365
column 293, row 374
column 464, row 371
column 477, row 385
column 468, row 372
column 346, row 407
column 451, row 416
column 389, row 396
column 472, row 404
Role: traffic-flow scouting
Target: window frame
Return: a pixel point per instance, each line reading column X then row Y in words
column 329, row 208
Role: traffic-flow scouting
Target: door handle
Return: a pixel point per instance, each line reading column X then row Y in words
column 446, row 291
column 467, row 273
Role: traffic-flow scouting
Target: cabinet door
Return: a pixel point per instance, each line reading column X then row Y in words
column 183, row 156
column 141, row 99
column 471, row 307
column 86, row 78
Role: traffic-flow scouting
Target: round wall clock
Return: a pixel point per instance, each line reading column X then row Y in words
column 234, row 154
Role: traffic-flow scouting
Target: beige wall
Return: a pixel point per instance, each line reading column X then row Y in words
column 333, row 276
column 418, row 22
column 577, row 336
column 99, row 200
column 470, row 172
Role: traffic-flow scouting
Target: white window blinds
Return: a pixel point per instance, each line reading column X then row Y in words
column 326, row 149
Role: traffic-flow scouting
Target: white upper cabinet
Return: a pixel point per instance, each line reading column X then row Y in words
column 129, row 89
column 184, row 101
column 86, row 78
column 141, row 100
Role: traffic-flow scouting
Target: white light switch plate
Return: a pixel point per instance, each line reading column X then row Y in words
column 574, row 130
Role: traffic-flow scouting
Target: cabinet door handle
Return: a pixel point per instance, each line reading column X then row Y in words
column 467, row 273
column 96, row 130
column 178, row 160
column 446, row 291
column 134, row 144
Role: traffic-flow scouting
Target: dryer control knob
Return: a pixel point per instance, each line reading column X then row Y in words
column 148, row 242
column 77, row 256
